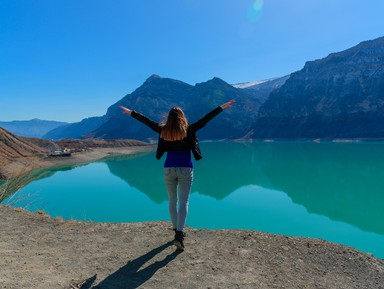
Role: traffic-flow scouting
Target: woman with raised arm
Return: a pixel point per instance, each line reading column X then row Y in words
column 178, row 138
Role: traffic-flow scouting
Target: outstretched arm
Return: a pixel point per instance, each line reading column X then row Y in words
column 205, row 119
column 142, row 118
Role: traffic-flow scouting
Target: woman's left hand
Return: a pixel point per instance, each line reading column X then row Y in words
column 227, row 104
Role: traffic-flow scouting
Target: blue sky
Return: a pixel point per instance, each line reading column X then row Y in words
column 70, row 59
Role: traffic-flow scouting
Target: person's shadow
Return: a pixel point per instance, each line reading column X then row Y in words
column 130, row 275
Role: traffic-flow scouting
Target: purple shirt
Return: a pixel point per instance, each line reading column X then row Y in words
column 181, row 159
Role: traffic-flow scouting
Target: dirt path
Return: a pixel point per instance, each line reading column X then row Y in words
column 37, row 251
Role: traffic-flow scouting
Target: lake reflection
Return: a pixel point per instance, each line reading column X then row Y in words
column 326, row 190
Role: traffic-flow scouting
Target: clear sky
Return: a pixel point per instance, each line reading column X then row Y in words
column 70, row 59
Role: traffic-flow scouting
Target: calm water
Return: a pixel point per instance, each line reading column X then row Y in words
column 333, row 191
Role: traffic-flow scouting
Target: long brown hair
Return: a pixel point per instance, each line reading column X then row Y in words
column 176, row 125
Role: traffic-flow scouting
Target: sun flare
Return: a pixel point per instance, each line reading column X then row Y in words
column 255, row 10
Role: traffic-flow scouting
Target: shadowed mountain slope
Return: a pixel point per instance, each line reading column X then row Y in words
column 340, row 96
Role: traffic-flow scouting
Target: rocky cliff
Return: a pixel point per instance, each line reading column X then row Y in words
column 340, row 96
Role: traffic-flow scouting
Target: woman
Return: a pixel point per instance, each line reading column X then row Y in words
column 178, row 138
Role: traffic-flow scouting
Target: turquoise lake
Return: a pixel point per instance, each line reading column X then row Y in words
column 332, row 191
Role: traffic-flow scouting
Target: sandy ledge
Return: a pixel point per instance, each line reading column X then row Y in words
column 37, row 251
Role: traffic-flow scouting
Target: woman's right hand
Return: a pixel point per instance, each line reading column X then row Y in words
column 125, row 110
column 228, row 104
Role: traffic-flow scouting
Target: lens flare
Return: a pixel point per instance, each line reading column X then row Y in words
column 258, row 5
column 255, row 10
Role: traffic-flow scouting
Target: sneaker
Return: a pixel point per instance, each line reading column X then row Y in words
column 179, row 240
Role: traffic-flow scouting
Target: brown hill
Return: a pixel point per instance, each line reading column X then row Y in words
column 12, row 146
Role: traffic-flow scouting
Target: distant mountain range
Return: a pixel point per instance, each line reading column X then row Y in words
column 339, row 96
column 156, row 96
column 31, row 128
column 75, row 130
column 262, row 89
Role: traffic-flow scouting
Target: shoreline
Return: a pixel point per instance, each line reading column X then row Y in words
column 22, row 165
column 25, row 165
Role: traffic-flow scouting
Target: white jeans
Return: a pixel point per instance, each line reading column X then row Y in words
column 181, row 178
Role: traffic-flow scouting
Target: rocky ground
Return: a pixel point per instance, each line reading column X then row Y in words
column 37, row 251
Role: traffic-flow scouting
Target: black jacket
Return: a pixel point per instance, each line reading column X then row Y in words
column 189, row 143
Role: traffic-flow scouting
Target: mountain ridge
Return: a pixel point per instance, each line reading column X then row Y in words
column 31, row 128
column 338, row 96
column 157, row 95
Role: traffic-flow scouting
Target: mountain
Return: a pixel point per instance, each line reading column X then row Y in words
column 250, row 84
column 230, row 124
column 75, row 130
column 262, row 89
column 31, row 128
column 153, row 98
column 270, row 84
column 157, row 95
column 339, row 96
